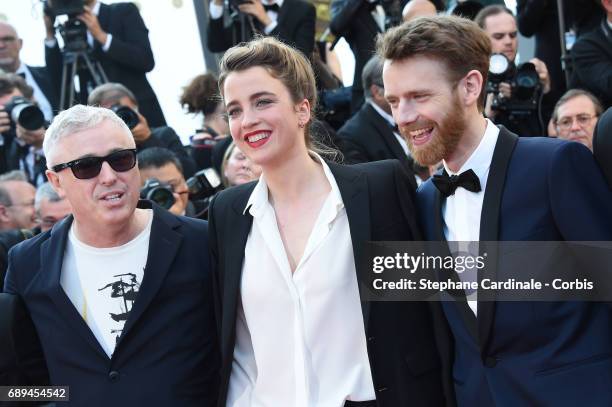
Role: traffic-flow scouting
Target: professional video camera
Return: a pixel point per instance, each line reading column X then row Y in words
column 201, row 186
column 73, row 30
column 129, row 116
column 524, row 82
column 27, row 114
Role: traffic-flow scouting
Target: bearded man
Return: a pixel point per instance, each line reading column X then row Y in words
column 496, row 186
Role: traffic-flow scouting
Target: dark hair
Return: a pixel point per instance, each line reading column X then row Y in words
column 457, row 42
column 9, row 82
column 201, row 95
column 282, row 62
column 110, row 93
column 157, row 157
column 574, row 93
column 490, row 11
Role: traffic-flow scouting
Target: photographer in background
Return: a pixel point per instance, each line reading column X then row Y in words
column 119, row 40
column 291, row 21
column 117, row 97
column 50, row 207
column 164, row 166
column 524, row 112
column 202, row 96
column 22, row 126
column 576, row 115
column 45, row 90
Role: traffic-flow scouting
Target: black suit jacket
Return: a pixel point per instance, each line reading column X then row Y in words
column 353, row 20
column 49, row 87
column 379, row 201
column 167, row 353
column 367, row 136
column 127, row 60
column 592, row 56
column 295, row 26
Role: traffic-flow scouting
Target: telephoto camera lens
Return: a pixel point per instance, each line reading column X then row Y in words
column 27, row 114
column 129, row 116
column 158, row 192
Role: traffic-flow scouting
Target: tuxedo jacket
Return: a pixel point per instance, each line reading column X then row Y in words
column 533, row 353
column 592, row 58
column 367, row 136
column 49, row 87
column 295, row 26
column 127, row 60
column 353, row 20
column 166, row 354
column 406, row 367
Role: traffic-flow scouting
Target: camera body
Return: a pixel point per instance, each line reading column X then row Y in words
column 73, row 30
column 158, row 192
column 23, row 111
column 524, row 82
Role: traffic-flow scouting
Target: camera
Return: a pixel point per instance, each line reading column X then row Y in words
column 73, row 31
column 158, row 192
column 204, row 184
column 129, row 116
column 27, row 114
column 524, row 82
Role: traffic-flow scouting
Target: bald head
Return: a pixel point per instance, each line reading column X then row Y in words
column 418, row 8
column 10, row 46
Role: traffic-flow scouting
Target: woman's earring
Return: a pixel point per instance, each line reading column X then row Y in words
column 301, row 124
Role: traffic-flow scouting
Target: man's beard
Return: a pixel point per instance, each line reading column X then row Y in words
column 446, row 138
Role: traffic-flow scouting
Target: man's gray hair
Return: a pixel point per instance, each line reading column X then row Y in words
column 77, row 118
column 372, row 75
column 110, row 93
column 45, row 192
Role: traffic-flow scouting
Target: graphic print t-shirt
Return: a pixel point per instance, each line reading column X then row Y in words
column 103, row 284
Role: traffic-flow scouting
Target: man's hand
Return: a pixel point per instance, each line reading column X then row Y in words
column 142, row 131
column 256, row 9
column 5, row 120
column 542, row 73
column 49, row 29
column 31, row 137
column 93, row 25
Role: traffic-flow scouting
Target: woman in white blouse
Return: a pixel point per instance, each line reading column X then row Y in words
column 292, row 325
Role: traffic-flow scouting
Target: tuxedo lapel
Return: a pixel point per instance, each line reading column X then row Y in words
column 467, row 315
column 353, row 187
column 284, row 18
column 489, row 226
column 53, row 252
column 164, row 243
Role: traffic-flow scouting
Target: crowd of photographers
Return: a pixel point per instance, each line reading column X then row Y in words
column 531, row 98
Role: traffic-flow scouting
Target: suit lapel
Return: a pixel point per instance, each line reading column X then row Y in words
column 385, row 130
column 489, row 226
column 284, row 16
column 467, row 315
column 53, row 251
column 353, row 187
column 164, row 243
column 237, row 228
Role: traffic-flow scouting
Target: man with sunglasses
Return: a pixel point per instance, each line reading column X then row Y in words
column 119, row 292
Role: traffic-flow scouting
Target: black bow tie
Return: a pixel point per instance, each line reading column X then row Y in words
column 271, row 7
column 448, row 184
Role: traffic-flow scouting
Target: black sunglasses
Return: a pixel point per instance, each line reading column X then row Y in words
column 89, row 167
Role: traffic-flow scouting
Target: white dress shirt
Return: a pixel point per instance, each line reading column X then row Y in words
column 300, row 338
column 461, row 211
column 39, row 96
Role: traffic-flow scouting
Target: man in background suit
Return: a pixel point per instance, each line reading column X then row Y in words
column 291, row 21
column 120, row 291
column 502, row 188
column 370, row 135
column 592, row 57
column 120, row 42
column 46, row 91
